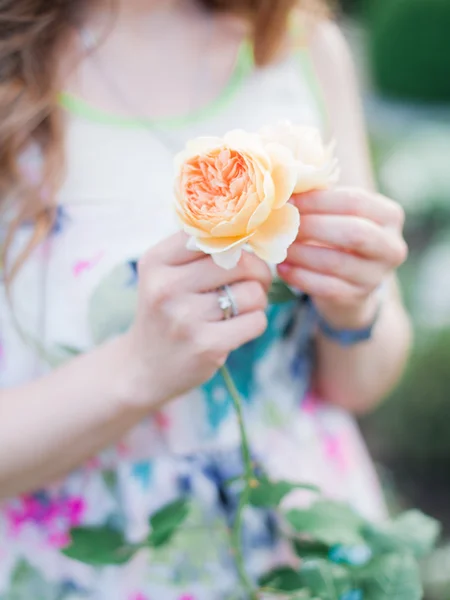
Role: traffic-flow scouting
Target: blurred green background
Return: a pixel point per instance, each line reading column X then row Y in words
column 402, row 52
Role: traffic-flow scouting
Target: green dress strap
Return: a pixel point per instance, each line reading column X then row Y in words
column 243, row 67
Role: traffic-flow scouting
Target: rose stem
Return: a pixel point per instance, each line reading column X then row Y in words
column 236, row 536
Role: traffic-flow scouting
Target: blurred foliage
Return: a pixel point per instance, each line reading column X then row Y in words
column 416, row 420
column 351, row 6
column 408, row 110
column 435, row 570
column 410, row 433
column 409, row 45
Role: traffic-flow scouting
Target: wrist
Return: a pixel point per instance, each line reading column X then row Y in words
column 137, row 388
column 350, row 317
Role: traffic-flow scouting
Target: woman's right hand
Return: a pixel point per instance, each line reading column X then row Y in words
column 179, row 338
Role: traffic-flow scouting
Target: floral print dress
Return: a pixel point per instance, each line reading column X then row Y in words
column 79, row 289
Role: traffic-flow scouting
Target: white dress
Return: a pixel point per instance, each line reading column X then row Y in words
column 79, row 288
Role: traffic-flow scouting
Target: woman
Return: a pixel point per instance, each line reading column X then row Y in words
column 93, row 268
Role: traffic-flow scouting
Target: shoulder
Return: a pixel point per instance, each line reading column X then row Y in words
column 332, row 58
column 336, row 72
column 327, row 38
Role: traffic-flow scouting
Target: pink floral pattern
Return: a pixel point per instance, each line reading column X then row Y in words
column 54, row 517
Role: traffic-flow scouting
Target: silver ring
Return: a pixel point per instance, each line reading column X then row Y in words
column 227, row 303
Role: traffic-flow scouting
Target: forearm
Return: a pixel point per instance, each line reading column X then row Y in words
column 358, row 377
column 54, row 424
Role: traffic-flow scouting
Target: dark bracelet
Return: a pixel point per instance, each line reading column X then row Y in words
column 345, row 337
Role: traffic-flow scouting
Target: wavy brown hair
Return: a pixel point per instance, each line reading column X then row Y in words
column 32, row 34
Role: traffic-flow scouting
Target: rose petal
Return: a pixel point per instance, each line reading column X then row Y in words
column 263, row 210
column 316, row 165
column 196, row 147
column 229, row 259
column 304, row 142
column 250, row 144
column 238, row 225
column 200, row 229
column 252, row 147
column 311, row 178
column 284, row 173
column 225, row 252
column 190, row 230
column 214, row 245
column 191, row 244
column 274, row 237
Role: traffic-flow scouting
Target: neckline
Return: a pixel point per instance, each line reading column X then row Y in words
column 243, row 66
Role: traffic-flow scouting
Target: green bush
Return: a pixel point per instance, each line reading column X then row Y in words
column 414, row 425
column 351, row 6
column 410, row 48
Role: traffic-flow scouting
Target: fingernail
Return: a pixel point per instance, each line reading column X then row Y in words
column 284, row 268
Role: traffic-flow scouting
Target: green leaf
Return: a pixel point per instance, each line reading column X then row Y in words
column 166, row 521
column 413, row 531
column 271, row 594
column 280, row 293
column 306, row 549
column 392, row 577
column 328, row 522
column 233, row 480
column 269, row 494
column 325, row 580
column 317, row 578
column 282, row 579
column 99, row 546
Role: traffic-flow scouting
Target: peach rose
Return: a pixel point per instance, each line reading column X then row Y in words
column 316, row 165
column 233, row 193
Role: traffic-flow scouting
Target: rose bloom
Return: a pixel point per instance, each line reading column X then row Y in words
column 233, row 193
column 316, row 165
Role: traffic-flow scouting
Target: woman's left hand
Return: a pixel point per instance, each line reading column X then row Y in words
column 349, row 242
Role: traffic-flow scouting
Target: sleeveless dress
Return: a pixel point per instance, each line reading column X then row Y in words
column 79, row 289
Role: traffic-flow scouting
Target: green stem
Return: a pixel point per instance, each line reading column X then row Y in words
column 236, row 534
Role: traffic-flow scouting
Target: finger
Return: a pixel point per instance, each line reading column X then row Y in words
column 352, row 201
column 232, row 334
column 172, row 251
column 354, row 234
column 248, row 297
column 206, row 276
column 322, row 286
column 351, row 268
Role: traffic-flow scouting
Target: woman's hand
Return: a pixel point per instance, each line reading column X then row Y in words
column 179, row 339
column 177, row 342
column 349, row 242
